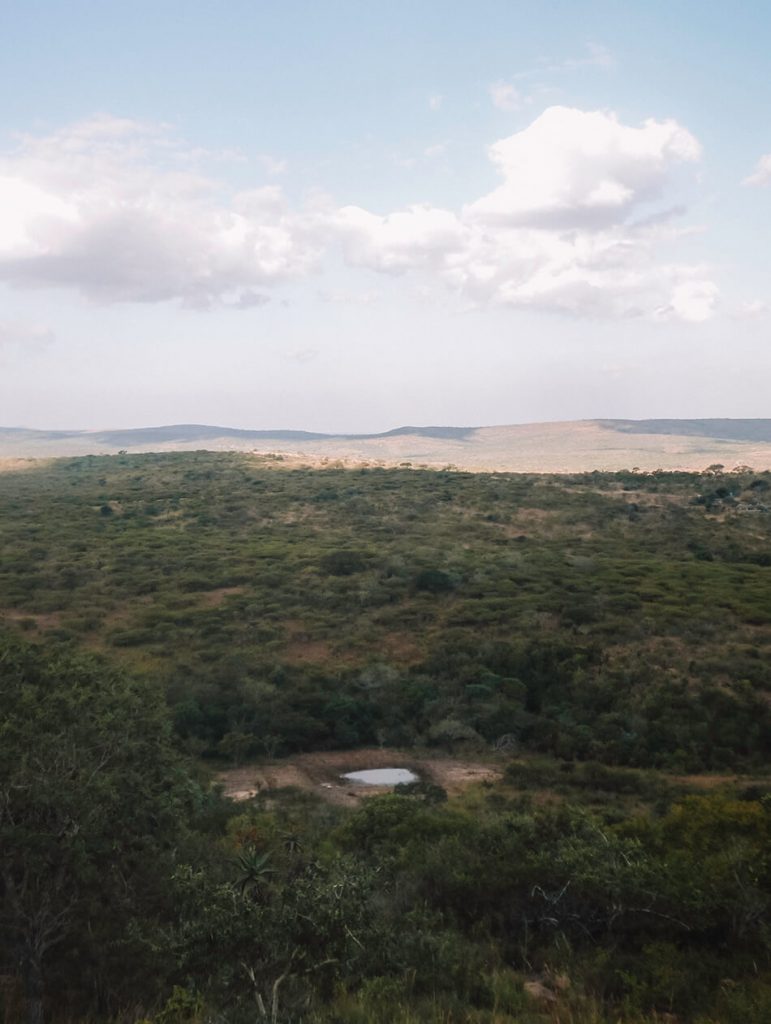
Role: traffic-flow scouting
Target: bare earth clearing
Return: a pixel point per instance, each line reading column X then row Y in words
column 14, row 465
column 321, row 773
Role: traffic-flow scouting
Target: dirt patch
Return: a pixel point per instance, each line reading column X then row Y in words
column 304, row 651
column 302, row 648
column 125, row 614
column 16, row 465
column 719, row 781
column 214, row 598
column 43, row 620
column 401, row 648
column 321, row 773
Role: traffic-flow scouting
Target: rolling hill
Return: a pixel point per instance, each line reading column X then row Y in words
column 572, row 446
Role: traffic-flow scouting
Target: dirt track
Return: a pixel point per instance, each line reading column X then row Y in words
column 321, row 773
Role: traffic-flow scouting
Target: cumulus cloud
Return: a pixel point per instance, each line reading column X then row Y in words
column 117, row 210
column 570, row 229
column 417, row 236
column 761, row 175
column 572, row 168
column 693, row 301
column 121, row 212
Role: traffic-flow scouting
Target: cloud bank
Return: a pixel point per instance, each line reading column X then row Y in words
column 120, row 212
column 113, row 209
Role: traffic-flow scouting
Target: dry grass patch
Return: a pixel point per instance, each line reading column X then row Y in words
column 41, row 620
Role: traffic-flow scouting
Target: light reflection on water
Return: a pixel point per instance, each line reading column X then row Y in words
column 382, row 776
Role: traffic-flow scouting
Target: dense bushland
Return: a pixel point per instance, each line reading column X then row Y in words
column 129, row 888
column 600, row 636
column 614, row 617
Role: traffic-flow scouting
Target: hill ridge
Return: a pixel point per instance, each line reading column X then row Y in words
column 551, row 447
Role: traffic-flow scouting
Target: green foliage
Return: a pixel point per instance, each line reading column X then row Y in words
column 599, row 631
column 434, row 581
column 344, row 563
column 555, row 611
column 428, row 792
column 131, row 887
column 182, row 1007
column 93, row 801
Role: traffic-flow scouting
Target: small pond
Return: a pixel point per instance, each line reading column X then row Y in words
column 382, row 776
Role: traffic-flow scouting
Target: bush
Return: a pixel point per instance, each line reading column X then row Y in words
column 344, row 563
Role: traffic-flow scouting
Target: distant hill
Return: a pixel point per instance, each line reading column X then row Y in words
column 574, row 446
column 730, row 430
column 184, row 433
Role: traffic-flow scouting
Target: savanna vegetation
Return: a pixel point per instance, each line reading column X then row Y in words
column 603, row 638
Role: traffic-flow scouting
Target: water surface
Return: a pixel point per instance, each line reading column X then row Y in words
column 382, row 776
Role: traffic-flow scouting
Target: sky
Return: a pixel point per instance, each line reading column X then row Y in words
column 351, row 215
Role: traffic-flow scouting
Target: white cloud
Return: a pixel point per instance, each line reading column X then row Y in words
column 569, row 230
column 417, row 236
column 119, row 211
column 761, row 175
column 505, row 96
column 435, row 102
column 271, row 165
column 692, row 301
column 571, row 168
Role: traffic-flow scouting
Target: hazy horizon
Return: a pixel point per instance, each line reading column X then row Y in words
column 396, row 427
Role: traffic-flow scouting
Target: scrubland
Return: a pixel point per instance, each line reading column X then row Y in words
column 598, row 644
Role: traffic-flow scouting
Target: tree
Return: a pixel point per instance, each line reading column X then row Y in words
column 92, row 800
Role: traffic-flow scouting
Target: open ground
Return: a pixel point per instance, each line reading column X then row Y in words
column 321, row 773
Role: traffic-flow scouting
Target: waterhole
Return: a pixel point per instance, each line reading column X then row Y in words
column 382, row 776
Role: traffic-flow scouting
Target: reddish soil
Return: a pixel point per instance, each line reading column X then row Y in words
column 307, row 652
column 401, row 648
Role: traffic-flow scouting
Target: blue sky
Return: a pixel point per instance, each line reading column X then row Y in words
column 348, row 216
